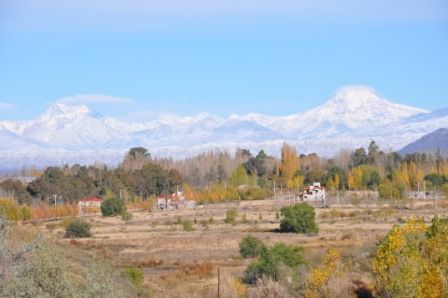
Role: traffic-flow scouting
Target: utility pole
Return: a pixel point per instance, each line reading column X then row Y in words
column 275, row 195
column 434, row 196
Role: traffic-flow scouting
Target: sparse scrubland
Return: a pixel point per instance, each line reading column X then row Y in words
column 375, row 236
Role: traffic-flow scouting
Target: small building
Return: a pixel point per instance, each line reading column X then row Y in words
column 174, row 201
column 164, row 202
column 89, row 205
column 314, row 193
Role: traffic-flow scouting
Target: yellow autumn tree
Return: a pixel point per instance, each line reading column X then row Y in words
column 290, row 161
column 415, row 175
column 411, row 261
column 401, row 176
column 354, row 178
column 317, row 281
column 350, row 181
column 295, row 182
column 334, row 183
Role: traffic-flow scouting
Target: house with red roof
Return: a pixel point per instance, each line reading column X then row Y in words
column 89, row 205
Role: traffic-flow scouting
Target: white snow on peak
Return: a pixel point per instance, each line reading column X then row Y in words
column 350, row 118
column 351, row 108
column 61, row 110
column 355, row 97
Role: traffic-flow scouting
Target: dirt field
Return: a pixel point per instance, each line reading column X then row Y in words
column 179, row 263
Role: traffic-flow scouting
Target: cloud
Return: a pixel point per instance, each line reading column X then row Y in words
column 6, row 106
column 95, row 99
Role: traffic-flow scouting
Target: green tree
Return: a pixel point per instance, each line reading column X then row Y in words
column 112, row 207
column 391, row 191
column 251, row 247
column 272, row 259
column 299, row 218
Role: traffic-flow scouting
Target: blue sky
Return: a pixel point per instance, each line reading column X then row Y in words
column 141, row 58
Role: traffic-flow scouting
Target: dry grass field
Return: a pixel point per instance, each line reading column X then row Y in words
column 180, row 263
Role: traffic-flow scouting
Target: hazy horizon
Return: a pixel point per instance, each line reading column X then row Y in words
column 223, row 57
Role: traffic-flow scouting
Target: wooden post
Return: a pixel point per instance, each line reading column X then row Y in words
column 219, row 281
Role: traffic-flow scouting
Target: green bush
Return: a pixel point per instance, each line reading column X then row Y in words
column 251, row 247
column 288, row 255
column 299, row 218
column 389, row 191
column 231, row 216
column 126, row 215
column 188, row 226
column 272, row 259
column 256, row 193
column 78, row 228
column 112, row 207
column 135, row 275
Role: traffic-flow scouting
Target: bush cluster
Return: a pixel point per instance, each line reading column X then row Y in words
column 112, row 207
column 270, row 259
column 126, row 215
column 77, row 228
column 251, row 247
column 135, row 276
column 231, row 216
column 187, row 226
column 299, row 218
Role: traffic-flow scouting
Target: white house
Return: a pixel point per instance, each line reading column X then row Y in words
column 314, row 193
column 174, row 201
column 89, row 205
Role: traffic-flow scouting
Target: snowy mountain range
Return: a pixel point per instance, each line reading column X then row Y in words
column 353, row 117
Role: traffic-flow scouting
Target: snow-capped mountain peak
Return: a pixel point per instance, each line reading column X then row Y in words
column 355, row 97
column 349, row 99
column 351, row 108
column 352, row 117
column 61, row 110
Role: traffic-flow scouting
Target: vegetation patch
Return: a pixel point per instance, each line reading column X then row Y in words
column 78, row 228
column 299, row 218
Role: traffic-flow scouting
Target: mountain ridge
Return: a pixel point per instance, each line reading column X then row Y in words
column 352, row 117
column 434, row 142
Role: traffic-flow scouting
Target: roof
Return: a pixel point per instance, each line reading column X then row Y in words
column 91, row 199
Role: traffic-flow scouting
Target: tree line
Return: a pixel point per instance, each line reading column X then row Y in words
column 218, row 176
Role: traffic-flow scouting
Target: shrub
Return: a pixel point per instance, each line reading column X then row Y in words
column 445, row 189
column 135, row 275
column 10, row 208
column 231, row 216
column 272, row 259
column 25, row 213
column 126, row 215
column 78, row 228
column 251, row 247
column 257, row 193
column 389, row 191
column 299, row 218
column 187, row 226
column 288, row 255
column 112, row 207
